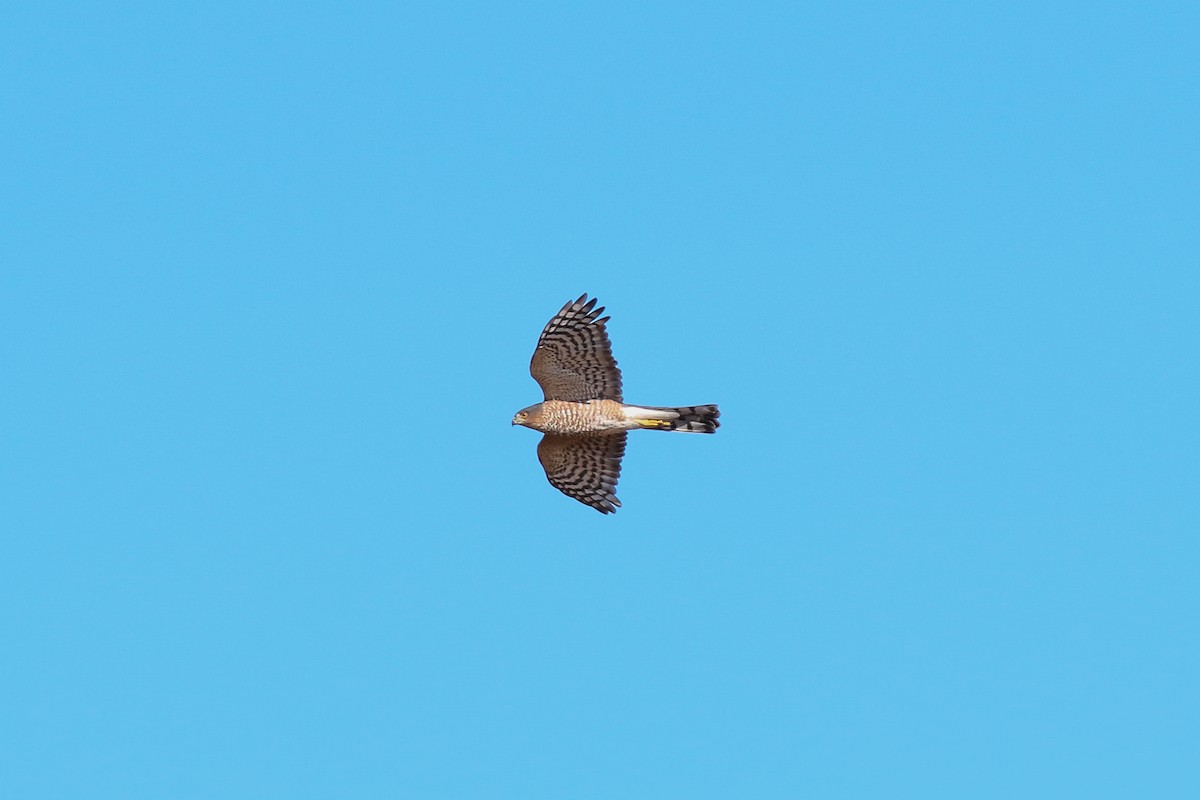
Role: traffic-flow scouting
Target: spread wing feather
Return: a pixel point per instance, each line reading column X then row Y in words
column 585, row 467
column 573, row 359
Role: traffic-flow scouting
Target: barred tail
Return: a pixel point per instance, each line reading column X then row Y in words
column 687, row 419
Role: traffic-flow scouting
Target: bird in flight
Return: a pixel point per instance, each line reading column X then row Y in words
column 583, row 417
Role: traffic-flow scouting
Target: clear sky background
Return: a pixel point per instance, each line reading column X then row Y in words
column 270, row 278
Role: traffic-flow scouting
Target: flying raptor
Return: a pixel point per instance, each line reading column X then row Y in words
column 583, row 417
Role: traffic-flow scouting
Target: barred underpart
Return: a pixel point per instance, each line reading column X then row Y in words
column 559, row 416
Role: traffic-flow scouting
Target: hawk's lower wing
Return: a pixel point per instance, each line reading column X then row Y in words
column 585, row 467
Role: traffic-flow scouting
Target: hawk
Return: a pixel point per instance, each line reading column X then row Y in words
column 583, row 417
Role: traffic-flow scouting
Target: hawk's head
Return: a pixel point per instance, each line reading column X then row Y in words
column 527, row 416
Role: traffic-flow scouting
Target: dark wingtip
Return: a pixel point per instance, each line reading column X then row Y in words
column 586, row 307
column 607, row 504
column 571, row 304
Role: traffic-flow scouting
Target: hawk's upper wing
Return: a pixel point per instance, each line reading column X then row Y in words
column 585, row 467
column 573, row 359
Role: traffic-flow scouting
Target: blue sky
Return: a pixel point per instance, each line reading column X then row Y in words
column 271, row 277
